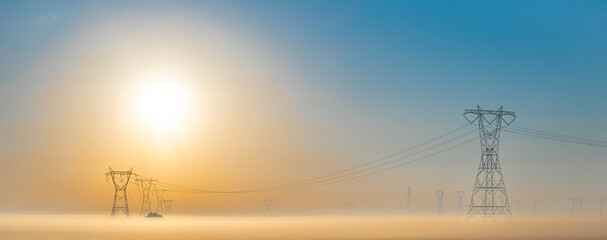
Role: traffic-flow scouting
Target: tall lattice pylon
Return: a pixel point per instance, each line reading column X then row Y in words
column 160, row 195
column 167, row 205
column 439, row 203
column 489, row 184
column 460, row 205
column 602, row 199
column 146, row 187
column 120, row 179
column 580, row 210
column 538, row 208
column 268, row 204
column 408, row 210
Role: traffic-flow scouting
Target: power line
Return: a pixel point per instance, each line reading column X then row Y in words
column 381, row 165
column 318, row 184
column 384, row 169
column 349, row 178
column 558, row 134
column 363, row 169
column 334, row 175
column 539, row 134
column 343, row 173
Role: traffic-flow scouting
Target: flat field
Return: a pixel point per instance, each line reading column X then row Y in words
column 68, row 227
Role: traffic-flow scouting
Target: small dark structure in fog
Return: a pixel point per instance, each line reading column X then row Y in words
column 153, row 215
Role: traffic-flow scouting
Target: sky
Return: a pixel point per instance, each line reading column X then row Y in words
column 279, row 91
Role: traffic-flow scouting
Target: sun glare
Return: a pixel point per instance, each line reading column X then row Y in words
column 163, row 103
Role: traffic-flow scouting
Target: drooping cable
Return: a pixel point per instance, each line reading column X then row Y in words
column 380, row 170
column 377, row 166
column 554, row 136
column 360, row 170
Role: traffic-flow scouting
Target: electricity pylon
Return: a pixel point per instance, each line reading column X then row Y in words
column 460, row 205
column 120, row 179
column 439, row 208
column 573, row 201
column 603, row 199
column 350, row 207
column 146, row 186
column 160, row 194
column 167, row 205
column 518, row 207
column 268, row 205
column 489, row 184
column 538, row 208
column 409, row 200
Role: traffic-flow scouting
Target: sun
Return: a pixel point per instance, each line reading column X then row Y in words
column 162, row 103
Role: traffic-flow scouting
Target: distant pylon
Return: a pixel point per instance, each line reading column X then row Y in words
column 489, row 184
column 408, row 210
column 518, row 209
column 160, row 195
column 579, row 201
column 268, row 204
column 602, row 199
column 538, row 208
column 350, row 207
column 167, row 205
column 439, row 205
column 460, row 205
column 120, row 179
column 146, row 187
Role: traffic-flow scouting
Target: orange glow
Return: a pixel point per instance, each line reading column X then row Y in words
column 162, row 102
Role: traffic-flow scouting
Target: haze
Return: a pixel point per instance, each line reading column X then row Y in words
column 233, row 95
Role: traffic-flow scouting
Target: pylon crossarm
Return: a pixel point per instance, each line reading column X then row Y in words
column 488, row 112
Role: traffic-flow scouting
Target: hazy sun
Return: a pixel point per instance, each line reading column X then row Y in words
column 162, row 102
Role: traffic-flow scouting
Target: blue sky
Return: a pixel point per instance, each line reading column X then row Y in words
column 536, row 55
column 367, row 70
